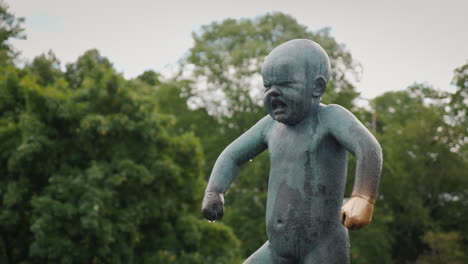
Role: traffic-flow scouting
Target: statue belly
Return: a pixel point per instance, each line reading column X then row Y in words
column 296, row 223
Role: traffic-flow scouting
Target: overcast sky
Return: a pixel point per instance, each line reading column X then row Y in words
column 397, row 42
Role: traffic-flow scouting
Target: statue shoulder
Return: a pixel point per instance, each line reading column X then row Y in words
column 333, row 109
column 333, row 114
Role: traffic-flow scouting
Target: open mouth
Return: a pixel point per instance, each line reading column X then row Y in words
column 277, row 104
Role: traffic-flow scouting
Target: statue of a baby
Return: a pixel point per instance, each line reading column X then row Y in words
column 307, row 142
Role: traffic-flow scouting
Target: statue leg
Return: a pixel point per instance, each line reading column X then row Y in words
column 334, row 250
column 266, row 255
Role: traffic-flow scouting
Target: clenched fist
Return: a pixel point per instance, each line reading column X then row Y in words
column 356, row 213
column 213, row 206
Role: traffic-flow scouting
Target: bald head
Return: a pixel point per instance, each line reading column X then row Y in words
column 299, row 55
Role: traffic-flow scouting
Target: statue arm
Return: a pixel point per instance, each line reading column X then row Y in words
column 244, row 148
column 352, row 135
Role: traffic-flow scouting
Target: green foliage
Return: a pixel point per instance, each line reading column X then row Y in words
column 10, row 27
column 91, row 65
column 150, row 78
column 93, row 173
column 459, row 99
column 423, row 175
column 458, row 108
column 45, row 69
column 172, row 97
column 444, row 248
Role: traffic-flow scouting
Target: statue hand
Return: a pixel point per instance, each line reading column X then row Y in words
column 356, row 213
column 213, row 206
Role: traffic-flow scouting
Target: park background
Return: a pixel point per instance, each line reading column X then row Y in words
column 99, row 164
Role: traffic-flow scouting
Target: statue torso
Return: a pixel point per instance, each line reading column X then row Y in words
column 306, row 186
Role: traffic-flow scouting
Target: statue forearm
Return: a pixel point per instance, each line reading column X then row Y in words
column 223, row 173
column 368, row 169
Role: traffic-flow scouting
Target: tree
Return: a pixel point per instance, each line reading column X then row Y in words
column 444, row 248
column 150, row 77
column 423, row 175
column 10, row 27
column 45, row 69
column 459, row 100
column 93, row 173
column 459, row 108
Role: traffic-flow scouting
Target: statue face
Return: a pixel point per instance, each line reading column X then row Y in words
column 287, row 95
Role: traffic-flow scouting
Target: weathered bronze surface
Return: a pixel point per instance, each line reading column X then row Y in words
column 308, row 143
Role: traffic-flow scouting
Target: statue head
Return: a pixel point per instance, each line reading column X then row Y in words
column 295, row 75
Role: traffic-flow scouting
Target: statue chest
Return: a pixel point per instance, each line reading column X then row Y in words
column 288, row 146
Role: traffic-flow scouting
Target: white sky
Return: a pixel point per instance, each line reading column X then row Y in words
column 397, row 42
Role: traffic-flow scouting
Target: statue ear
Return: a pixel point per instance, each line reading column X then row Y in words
column 320, row 84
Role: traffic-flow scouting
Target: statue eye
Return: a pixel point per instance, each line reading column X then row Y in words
column 267, row 87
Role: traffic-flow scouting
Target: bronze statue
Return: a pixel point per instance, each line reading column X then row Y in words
column 307, row 142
